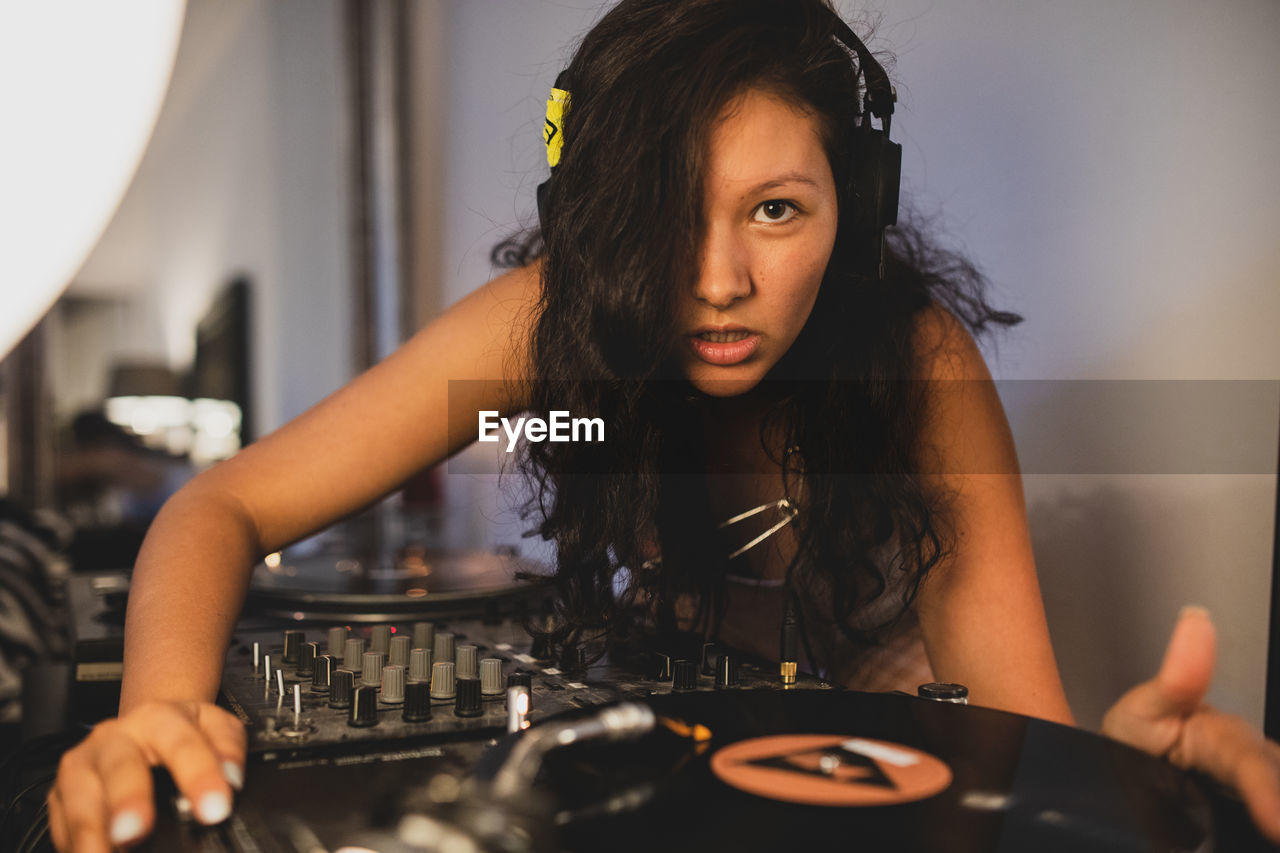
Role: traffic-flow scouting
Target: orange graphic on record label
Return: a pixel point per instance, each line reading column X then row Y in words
column 831, row 770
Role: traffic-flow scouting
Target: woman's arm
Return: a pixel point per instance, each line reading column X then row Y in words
column 194, row 567
column 345, row 453
column 980, row 610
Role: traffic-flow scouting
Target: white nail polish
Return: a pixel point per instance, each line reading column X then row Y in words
column 233, row 774
column 125, row 827
column 214, row 807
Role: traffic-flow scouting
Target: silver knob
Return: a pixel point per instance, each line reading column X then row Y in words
column 337, row 637
column 399, row 655
column 491, row 677
column 371, row 671
column 420, row 665
column 380, row 639
column 444, row 646
column 466, row 659
column 352, row 652
column 392, row 684
column 443, row 680
column 424, row 635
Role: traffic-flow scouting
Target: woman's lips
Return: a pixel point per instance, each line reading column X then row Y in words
column 724, row 354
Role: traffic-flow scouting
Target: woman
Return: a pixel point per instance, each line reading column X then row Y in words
column 703, row 283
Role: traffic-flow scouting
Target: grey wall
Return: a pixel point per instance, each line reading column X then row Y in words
column 246, row 171
column 1112, row 167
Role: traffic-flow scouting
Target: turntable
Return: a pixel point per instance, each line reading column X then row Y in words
column 414, row 580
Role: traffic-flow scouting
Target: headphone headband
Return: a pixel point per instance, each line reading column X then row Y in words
column 875, row 172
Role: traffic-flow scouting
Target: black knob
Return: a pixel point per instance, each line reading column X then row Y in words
column 467, row 703
column 417, row 702
column 364, row 707
column 944, row 692
column 321, row 673
column 341, row 688
column 541, row 647
column 292, row 645
column 520, row 679
column 710, row 652
column 686, row 676
column 307, row 659
column 726, row 671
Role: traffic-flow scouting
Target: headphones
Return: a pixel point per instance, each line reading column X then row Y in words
column 875, row 172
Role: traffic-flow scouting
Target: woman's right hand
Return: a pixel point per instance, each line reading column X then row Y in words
column 103, row 798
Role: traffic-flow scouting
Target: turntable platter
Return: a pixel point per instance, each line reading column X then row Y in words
column 985, row 781
column 420, row 581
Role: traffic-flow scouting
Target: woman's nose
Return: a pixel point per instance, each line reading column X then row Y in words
column 724, row 272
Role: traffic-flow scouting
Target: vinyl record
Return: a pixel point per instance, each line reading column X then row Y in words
column 817, row 770
column 422, row 581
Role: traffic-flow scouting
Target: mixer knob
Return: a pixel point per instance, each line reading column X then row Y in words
column 341, row 687
column 352, row 653
column 307, row 659
column 380, row 639
column 364, row 707
column 399, row 650
column 417, row 702
column 420, row 665
column 337, row 641
column 686, row 676
column 442, row 679
column 424, row 635
column 726, row 671
column 491, row 677
column 321, row 674
column 520, row 679
column 468, row 701
column 371, row 669
column 292, row 645
column 392, row 684
column 710, row 653
column 944, row 692
column 466, row 660
column 443, row 649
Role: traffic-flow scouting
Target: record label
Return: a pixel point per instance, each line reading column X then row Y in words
column 831, row 770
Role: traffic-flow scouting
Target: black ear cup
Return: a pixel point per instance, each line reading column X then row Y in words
column 875, row 175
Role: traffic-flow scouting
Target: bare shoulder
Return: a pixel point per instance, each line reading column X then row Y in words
column 945, row 349
column 495, row 323
column 965, row 429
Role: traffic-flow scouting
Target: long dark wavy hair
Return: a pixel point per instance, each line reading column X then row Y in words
column 623, row 215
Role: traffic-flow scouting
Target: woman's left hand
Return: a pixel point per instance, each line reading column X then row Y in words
column 1167, row 716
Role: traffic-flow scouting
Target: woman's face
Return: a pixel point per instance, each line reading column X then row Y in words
column 770, row 224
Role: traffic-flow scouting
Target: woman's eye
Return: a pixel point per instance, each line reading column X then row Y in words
column 775, row 211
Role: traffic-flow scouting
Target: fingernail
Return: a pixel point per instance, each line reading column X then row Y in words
column 214, row 807
column 125, row 827
column 1194, row 608
column 233, row 774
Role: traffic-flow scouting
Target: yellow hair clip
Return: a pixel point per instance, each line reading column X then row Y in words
column 553, row 129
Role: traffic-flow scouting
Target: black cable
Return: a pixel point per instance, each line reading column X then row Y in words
column 13, row 803
column 41, row 822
